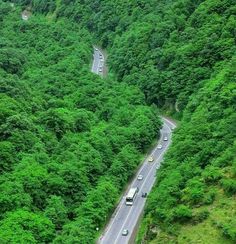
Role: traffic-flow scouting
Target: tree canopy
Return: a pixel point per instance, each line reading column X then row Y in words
column 70, row 138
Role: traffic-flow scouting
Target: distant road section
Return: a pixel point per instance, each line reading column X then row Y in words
column 122, row 224
column 126, row 217
column 98, row 62
column 25, row 15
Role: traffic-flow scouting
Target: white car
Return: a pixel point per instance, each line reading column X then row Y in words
column 140, row 177
column 125, row 232
column 159, row 147
column 151, row 159
column 96, row 49
column 165, row 138
column 100, row 69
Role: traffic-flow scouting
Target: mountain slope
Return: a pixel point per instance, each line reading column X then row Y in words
column 194, row 197
column 181, row 53
column 68, row 139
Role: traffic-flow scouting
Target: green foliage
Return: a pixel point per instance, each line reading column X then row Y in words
column 182, row 213
column 68, row 139
column 5, row 8
column 13, row 196
column 229, row 185
column 12, row 60
column 194, row 191
column 6, row 155
column 229, row 230
column 202, row 153
column 167, row 48
column 211, row 174
column 201, row 216
column 56, row 211
column 25, row 227
column 90, row 215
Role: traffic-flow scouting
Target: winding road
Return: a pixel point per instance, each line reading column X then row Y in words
column 126, row 217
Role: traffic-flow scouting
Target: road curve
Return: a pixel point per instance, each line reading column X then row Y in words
column 126, row 217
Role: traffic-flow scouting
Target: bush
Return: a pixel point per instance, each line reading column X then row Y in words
column 211, row 174
column 229, row 185
column 182, row 213
column 194, row 192
column 229, row 230
column 199, row 217
column 209, row 197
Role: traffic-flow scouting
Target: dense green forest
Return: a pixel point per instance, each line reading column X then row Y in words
column 168, row 48
column 68, row 136
column 69, row 139
column 181, row 53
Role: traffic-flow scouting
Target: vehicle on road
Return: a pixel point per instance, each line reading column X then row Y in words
column 165, row 138
column 96, row 49
column 100, row 69
column 126, row 217
column 159, row 146
column 151, row 159
column 125, row 232
column 131, row 196
column 140, row 177
column 144, row 194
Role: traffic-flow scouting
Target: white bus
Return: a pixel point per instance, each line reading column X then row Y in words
column 131, row 196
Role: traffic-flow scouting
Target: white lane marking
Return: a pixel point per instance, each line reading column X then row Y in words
column 132, row 184
column 141, row 189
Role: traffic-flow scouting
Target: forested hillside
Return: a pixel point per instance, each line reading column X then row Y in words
column 168, row 48
column 69, row 140
column 68, row 136
column 181, row 53
column 194, row 198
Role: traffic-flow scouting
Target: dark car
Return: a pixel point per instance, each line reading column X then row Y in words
column 144, row 194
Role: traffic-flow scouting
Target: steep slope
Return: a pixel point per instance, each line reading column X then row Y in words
column 194, row 198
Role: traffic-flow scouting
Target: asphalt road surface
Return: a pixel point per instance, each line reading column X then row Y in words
column 126, row 217
column 98, row 62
